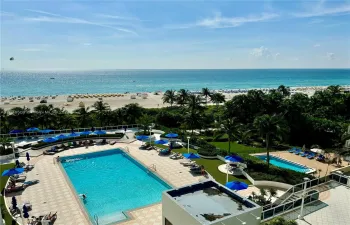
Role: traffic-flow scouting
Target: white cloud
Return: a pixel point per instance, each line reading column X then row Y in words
column 31, row 49
column 118, row 17
column 319, row 10
column 314, row 21
column 277, row 55
column 330, row 55
column 219, row 21
column 261, row 52
column 316, row 45
column 56, row 18
column 86, row 44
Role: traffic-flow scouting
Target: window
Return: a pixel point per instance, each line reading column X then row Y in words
column 167, row 222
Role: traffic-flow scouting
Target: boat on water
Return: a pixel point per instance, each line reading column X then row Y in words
column 52, row 78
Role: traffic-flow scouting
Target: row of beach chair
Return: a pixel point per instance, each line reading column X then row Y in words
column 307, row 154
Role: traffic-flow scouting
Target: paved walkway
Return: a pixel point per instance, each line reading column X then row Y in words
column 53, row 194
column 332, row 209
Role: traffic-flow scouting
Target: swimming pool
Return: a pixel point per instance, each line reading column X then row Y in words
column 286, row 164
column 113, row 183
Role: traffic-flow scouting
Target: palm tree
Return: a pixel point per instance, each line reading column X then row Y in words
column 285, row 91
column 4, row 121
column 43, row 114
column 194, row 103
column 217, row 98
column 82, row 115
column 272, row 193
column 20, row 116
column 182, row 96
column 231, row 127
column 169, row 97
column 100, row 108
column 206, row 93
column 5, row 142
column 132, row 112
column 270, row 127
column 145, row 121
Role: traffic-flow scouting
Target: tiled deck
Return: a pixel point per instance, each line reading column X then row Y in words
column 53, row 194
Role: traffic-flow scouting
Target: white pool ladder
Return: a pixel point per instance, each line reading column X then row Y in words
column 152, row 167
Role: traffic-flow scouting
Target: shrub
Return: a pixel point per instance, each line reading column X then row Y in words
column 5, row 151
column 143, row 133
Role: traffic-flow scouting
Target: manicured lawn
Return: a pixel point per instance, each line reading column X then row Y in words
column 211, row 165
column 3, row 181
column 238, row 148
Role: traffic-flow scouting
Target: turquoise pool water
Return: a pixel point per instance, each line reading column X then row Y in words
column 279, row 162
column 113, row 183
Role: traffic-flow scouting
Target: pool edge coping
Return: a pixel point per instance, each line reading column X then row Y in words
column 127, row 213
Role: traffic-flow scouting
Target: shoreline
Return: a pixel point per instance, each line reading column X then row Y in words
column 118, row 100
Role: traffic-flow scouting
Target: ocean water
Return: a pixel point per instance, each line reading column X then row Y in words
column 120, row 81
column 113, row 183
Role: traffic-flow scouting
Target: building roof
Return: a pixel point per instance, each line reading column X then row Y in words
column 210, row 201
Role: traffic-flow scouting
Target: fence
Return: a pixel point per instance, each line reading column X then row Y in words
column 117, row 127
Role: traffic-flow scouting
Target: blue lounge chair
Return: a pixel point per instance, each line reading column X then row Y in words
column 304, row 154
column 292, row 150
column 311, row 155
column 297, row 151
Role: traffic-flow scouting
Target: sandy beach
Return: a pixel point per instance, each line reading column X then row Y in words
column 115, row 100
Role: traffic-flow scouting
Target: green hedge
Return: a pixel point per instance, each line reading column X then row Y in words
column 42, row 144
column 5, row 151
column 143, row 133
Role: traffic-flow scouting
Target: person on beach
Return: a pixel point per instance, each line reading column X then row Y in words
column 83, row 196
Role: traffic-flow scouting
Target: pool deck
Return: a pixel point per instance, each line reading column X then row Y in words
column 54, row 194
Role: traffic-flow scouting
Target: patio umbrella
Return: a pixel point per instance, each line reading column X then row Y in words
column 33, row 129
column 46, row 131
column 11, row 172
column 142, row 138
column 25, row 212
column 236, row 185
column 171, row 135
column 61, row 137
column 234, row 158
column 85, row 133
column 100, row 132
column 16, row 131
column 28, row 158
column 50, row 140
column 14, row 202
column 74, row 134
column 191, row 156
column 161, row 142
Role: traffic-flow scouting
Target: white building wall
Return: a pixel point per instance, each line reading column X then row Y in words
column 175, row 214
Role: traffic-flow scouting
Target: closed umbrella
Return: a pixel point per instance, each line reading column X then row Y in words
column 191, row 156
column 33, row 129
column 236, row 185
column 50, row 140
column 25, row 212
column 28, row 157
column 11, row 172
column 17, row 163
column 161, row 142
column 14, row 202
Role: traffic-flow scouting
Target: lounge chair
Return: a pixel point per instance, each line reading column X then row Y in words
column 292, row 150
column 18, row 178
column 30, row 182
column 304, row 154
column 176, row 156
column 311, row 155
column 91, row 142
column 49, row 219
column 164, row 152
column 14, row 189
column 297, row 151
column 28, row 167
column 320, row 158
column 187, row 163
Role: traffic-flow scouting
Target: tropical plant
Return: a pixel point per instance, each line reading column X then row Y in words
column 132, row 112
column 217, row 98
column 206, row 93
column 231, row 127
column 44, row 114
column 169, row 97
column 100, row 108
column 285, row 91
column 182, row 97
column 83, row 116
column 5, row 143
column 269, row 128
column 20, row 116
column 145, row 122
column 281, row 221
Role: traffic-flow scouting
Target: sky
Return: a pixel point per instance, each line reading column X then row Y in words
column 106, row 34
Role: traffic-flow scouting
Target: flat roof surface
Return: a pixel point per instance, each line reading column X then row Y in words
column 210, row 201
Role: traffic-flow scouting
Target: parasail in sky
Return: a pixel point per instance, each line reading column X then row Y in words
column 12, row 58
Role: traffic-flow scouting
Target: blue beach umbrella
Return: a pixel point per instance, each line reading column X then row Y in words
column 14, row 202
column 142, row 137
column 46, row 131
column 33, row 129
column 171, row 135
column 236, row 185
column 61, row 137
column 191, row 156
column 85, row 133
column 25, row 212
column 50, row 140
column 73, row 134
column 234, row 158
column 100, row 132
column 16, row 131
column 11, row 172
column 161, row 142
